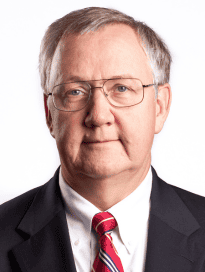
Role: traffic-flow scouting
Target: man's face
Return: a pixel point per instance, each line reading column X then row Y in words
column 101, row 140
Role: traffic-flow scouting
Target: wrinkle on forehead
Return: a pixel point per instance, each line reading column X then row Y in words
column 68, row 43
column 65, row 44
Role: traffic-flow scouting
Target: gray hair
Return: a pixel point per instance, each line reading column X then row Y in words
column 93, row 18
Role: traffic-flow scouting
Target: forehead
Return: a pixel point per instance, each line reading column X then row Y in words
column 113, row 50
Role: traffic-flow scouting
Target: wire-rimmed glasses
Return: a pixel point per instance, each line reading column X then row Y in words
column 120, row 92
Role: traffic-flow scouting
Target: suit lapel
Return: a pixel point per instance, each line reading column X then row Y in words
column 173, row 234
column 48, row 247
column 173, row 237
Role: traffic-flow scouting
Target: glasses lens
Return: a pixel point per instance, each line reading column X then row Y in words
column 71, row 96
column 74, row 96
column 124, row 92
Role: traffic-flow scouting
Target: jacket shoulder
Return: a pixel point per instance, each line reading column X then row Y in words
column 13, row 210
column 195, row 203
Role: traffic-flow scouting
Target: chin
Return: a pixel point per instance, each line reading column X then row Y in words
column 99, row 171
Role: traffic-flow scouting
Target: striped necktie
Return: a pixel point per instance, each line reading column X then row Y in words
column 107, row 258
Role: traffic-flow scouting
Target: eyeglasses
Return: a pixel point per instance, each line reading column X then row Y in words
column 120, row 92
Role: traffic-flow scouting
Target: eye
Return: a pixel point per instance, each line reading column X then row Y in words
column 122, row 89
column 76, row 92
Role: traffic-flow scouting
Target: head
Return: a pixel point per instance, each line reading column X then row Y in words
column 91, row 19
column 94, row 44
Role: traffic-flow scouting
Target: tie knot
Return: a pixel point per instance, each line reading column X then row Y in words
column 103, row 222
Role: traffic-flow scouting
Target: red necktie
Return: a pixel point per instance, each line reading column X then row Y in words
column 107, row 258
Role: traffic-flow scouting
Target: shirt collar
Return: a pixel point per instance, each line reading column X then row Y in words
column 133, row 209
column 76, row 205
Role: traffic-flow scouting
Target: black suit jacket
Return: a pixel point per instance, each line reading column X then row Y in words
column 34, row 235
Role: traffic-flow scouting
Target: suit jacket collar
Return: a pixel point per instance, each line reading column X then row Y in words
column 173, row 235
column 48, row 247
column 46, row 204
column 168, row 206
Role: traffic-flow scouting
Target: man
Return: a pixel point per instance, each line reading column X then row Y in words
column 105, row 80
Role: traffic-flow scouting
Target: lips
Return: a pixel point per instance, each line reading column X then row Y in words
column 97, row 141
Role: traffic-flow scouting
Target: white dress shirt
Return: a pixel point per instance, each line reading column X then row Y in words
column 129, row 237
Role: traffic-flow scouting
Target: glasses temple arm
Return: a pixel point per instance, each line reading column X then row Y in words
column 147, row 85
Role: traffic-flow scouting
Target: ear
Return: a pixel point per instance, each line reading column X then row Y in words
column 163, row 104
column 48, row 115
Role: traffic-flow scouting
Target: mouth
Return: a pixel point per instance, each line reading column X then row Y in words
column 98, row 142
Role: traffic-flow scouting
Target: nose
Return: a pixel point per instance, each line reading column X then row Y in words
column 99, row 110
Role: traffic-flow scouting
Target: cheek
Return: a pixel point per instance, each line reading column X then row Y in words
column 137, row 132
column 68, row 131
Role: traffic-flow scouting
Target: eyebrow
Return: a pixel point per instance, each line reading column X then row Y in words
column 78, row 78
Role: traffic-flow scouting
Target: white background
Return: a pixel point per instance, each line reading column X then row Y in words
column 28, row 154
